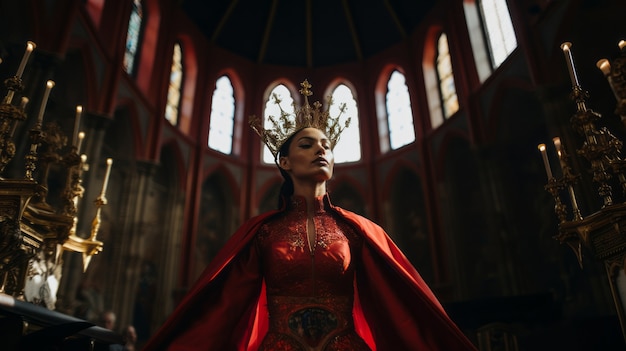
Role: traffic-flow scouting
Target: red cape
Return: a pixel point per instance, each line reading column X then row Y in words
column 394, row 308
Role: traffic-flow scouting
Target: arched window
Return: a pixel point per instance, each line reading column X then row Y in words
column 491, row 33
column 399, row 112
column 271, row 109
column 222, row 116
column 348, row 148
column 133, row 36
column 174, row 92
column 447, row 88
column 498, row 29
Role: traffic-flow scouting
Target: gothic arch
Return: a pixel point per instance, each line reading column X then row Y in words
column 516, row 126
column 341, row 80
column 94, row 10
column 239, row 121
column 227, row 178
column 90, row 82
column 132, row 126
column 149, row 41
column 408, row 219
column 463, row 219
column 346, row 192
column 268, row 194
column 380, row 103
column 510, row 95
column 178, row 166
column 216, row 219
column 439, row 157
column 293, row 88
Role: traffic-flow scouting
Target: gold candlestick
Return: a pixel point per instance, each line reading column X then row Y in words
column 16, row 81
column 44, row 101
column 79, row 112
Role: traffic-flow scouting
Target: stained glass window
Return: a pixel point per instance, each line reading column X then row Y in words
column 498, row 29
column 174, row 91
column 399, row 113
column 348, row 148
column 133, row 36
column 447, row 89
column 222, row 116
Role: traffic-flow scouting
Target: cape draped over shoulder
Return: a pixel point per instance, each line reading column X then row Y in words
column 226, row 308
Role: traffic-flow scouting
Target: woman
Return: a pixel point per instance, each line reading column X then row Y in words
column 310, row 276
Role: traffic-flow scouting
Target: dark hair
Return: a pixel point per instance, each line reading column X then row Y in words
column 286, row 189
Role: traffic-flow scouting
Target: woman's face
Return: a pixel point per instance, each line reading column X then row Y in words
column 310, row 157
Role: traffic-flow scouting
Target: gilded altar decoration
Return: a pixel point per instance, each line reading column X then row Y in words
column 602, row 234
column 33, row 232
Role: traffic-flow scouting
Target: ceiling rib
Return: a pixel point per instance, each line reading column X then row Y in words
column 355, row 38
column 309, row 35
column 268, row 29
column 394, row 16
column 223, row 20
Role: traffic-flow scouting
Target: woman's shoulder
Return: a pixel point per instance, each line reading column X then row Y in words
column 355, row 217
column 261, row 218
column 256, row 220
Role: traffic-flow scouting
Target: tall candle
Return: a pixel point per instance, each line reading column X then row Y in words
column 30, row 46
column 570, row 63
column 79, row 111
column 79, row 142
column 546, row 163
column 604, row 66
column 106, row 177
column 559, row 151
column 44, row 102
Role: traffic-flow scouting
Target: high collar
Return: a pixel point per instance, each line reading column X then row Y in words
column 320, row 203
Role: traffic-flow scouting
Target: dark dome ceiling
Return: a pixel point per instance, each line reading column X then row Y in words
column 306, row 33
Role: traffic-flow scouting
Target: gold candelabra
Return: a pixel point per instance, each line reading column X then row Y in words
column 602, row 233
column 33, row 233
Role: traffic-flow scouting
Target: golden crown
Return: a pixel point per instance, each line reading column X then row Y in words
column 288, row 124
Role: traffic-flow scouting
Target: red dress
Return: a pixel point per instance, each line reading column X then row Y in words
column 265, row 291
column 310, row 292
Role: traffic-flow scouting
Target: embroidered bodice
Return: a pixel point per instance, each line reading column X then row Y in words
column 309, row 285
column 294, row 268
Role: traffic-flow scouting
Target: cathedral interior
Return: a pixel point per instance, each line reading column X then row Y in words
column 450, row 100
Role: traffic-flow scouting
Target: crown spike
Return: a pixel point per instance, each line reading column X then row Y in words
column 306, row 89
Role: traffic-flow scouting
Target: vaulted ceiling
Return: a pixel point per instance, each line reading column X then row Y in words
column 306, row 33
